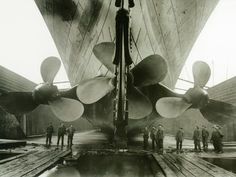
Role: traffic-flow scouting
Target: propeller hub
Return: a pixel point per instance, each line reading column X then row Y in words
column 197, row 96
column 44, row 93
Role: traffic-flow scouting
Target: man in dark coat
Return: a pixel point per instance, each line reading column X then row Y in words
column 216, row 139
column 220, row 143
column 49, row 131
column 179, row 139
column 197, row 139
column 70, row 133
column 159, row 138
column 205, row 136
column 152, row 136
column 60, row 134
column 145, row 138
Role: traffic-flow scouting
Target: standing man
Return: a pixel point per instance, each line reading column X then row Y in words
column 159, row 139
column 220, row 143
column 205, row 135
column 197, row 139
column 179, row 139
column 145, row 138
column 215, row 138
column 152, row 135
column 70, row 133
column 60, row 134
column 49, row 131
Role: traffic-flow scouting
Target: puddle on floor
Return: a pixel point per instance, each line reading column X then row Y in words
column 5, row 155
column 112, row 165
column 226, row 163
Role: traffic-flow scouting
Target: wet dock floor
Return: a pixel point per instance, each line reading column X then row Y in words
column 226, row 163
column 102, row 165
column 7, row 155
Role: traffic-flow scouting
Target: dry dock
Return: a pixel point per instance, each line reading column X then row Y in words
column 91, row 156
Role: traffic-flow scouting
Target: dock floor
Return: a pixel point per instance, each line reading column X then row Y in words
column 34, row 159
column 187, row 165
column 31, row 163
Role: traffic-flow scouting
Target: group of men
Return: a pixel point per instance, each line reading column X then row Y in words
column 157, row 136
column 216, row 139
column 197, row 138
column 61, row 131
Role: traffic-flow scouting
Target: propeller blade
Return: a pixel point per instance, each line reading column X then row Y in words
column 17, row 102
column 92, row 90
column 171, row 107
column 104, row 53
column 157, row 91
column 49, row 68
column 139, row 104
column 149, row 71
column 201, row 73
column 219, row 112
column 66, row 109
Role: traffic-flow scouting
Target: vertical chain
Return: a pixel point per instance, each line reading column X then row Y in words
column 130, row 38
column 115, row 102
column 126, row 108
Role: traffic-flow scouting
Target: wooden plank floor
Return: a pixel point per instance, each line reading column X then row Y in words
column 186, row 165
column 182, row 165
column 31, row 164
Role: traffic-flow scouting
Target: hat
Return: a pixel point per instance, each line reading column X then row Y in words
column 215, row 126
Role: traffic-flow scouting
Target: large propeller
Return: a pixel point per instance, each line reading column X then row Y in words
column 64, row 108
column 196, row 97
column 150, row 70
column 214, row 111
